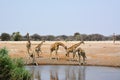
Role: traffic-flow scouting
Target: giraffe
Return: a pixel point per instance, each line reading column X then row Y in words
column 28, row 45
column 38, row 48
column 82, row 53
column 72, row 48
column 114, row 38
column 29, row 51
column 55, row 47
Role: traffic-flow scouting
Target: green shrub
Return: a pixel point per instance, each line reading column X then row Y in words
column 16, row 36
column 5, row 37
column 3, row 52
column 6, row 66
column 20, row 73
column 12, row 69
column 19, row 62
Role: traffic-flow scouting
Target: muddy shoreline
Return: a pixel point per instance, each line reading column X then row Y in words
column 71, row 63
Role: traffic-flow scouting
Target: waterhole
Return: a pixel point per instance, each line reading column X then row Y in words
column 57, row 72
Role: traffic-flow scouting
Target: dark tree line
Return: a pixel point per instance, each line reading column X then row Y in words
column 16, row 36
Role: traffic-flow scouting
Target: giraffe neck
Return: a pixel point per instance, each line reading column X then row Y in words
column 76, row 45
column 40, row 44
column 61, row 44
column 29, row 41
column 28, row 38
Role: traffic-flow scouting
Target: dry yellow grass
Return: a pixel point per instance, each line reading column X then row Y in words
column 102, row 53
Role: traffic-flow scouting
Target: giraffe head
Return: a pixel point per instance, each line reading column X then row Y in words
column 27, row 34
column 82, row 42
column 66, row 55
column 43, row 40
column 65, row 47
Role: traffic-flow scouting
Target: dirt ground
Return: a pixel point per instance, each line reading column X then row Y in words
column 99, row 53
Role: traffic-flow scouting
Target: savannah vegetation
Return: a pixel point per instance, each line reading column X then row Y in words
column 12, row 69
column 16, row 36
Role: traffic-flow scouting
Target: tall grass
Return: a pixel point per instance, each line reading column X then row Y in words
column 12, row 69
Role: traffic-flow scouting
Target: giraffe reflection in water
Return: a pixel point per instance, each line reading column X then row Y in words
column 75, row 73
column 58, row 72
column 54, row 75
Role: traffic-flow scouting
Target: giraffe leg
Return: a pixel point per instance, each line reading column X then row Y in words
column 38, row 50
column 28, row 50
column 41, row 52
column 34, row 59
column 56, row 54
column 51, row 54
column 38, row 54
column 27, row 57
column 84, row 58
column 74, row 53
column 79, row 58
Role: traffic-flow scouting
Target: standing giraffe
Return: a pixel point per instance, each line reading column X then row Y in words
column 81, row 52
column 38, row 48
column 114, row 38
column 28, row 45
column 29, row 51
column 73, row 48
column 55, row 47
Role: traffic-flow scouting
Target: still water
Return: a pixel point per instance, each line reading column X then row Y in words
column 53, row 72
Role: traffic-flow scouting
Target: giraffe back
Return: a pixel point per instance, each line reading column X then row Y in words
column 73, row 47
column 39, row 45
